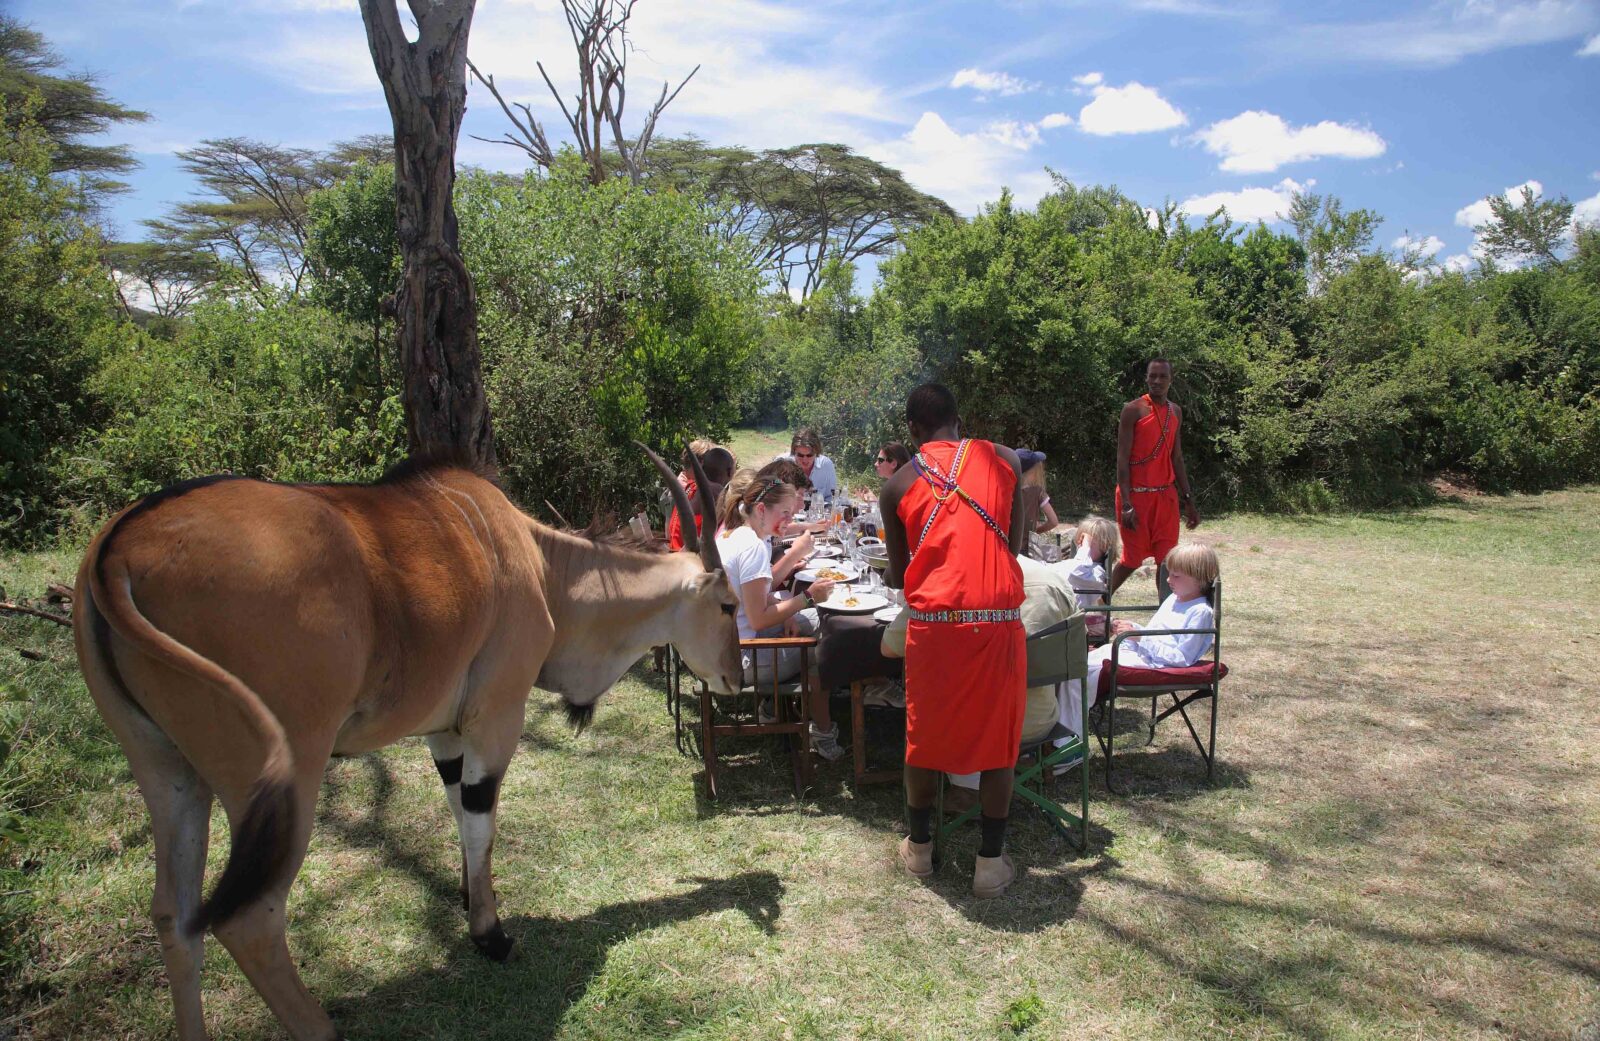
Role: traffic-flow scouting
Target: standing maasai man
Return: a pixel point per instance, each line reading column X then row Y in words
column 1151, row 480
column 953, row 524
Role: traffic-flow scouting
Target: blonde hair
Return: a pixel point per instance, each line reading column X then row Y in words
column 701, row 445
column 1197, row 561
column 1033, row 476
column 759, row 490
column 1104, row 541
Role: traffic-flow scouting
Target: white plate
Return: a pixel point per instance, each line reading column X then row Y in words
column 888, row 614
column 864, row 602
column 844, row 567
column 827, row 552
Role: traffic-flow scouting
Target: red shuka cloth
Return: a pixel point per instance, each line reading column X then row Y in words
column 1157, row 512
column 966, row 685
column 675, row 523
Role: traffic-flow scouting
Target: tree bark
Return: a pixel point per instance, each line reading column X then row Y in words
column 436, row 309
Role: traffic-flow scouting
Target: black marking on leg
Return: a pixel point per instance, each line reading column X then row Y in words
column 479, row 797
column 494, row 944
column 449, row 770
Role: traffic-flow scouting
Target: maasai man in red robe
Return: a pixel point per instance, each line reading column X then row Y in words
column 953, row 525
column 1152, row 483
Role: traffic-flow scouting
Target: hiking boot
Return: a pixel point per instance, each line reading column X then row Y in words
column 826, row 742
column 916, row 857
column 991, row 876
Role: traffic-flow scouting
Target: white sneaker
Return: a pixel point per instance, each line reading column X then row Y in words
column 826, row 742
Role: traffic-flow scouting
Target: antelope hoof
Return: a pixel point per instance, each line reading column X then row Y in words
column 494, row 944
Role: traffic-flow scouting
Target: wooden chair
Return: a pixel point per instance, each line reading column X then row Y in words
column 1056, row 654
column 738, row 715
column 1198, row 682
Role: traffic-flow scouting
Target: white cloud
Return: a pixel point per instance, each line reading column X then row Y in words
column 1459, row 263
column 1587, row 211
column 966, row 170
column 1089, row 79
column 1476, row 213
column 1449, row 30
column 1247, row 205
column 1592, row 48
column 1055, row 119
column 1009, row 132
column 1131, row 109
column 1427, row 247
column 1002, row 83
column 1260, row 142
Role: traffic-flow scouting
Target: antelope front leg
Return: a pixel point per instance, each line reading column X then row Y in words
column 488, row 741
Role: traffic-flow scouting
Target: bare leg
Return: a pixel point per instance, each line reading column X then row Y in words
column 821, row 715
column 994, row 791
column 922, row 785
column 1119, row 575
column 1163, row 589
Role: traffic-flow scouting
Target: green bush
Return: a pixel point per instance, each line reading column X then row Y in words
column 274, row 392
column 606, row 315
column 56, row 315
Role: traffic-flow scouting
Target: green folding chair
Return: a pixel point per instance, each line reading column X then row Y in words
column 1056, row 654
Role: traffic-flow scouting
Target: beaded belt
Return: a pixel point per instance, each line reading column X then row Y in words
column 1157, row 488
column 965, row 617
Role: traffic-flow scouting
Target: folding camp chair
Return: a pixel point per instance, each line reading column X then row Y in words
column 1198, row 682
column 1056, row 655
column 738, row 714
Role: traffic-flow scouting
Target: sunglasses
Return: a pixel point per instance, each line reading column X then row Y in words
column 883, row 459
column 804, row 455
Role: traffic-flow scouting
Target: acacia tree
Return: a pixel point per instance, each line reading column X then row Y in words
column 436, row 308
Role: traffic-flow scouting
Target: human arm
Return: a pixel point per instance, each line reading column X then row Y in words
column 792, row 558
column 1125, row 425
column 1049, row 521
column 765, row 612
column 1178, row 650
column 1180, row 474
column 1019, row 503
column 894, row 529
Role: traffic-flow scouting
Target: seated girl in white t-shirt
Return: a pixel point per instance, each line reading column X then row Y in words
column 1191, row 570
column 751, row 518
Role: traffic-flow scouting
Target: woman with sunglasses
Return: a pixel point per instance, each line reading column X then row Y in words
column 891, row 457
column 806, row 449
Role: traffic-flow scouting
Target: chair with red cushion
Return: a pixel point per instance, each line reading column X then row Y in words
column 1185, row 686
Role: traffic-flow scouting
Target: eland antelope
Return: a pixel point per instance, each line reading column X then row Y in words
column 235, row 634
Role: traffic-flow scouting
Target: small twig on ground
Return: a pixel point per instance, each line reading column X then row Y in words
column 19, row 609
column 30, row 655
column 55, row 592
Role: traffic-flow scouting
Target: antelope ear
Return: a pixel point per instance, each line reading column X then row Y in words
column 705, row 580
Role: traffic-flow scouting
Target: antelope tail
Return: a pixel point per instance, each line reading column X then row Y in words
column 262, row 838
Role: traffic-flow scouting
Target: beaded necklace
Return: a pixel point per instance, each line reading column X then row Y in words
column 944, row 485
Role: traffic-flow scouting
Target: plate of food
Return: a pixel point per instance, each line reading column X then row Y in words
column 850, row 601
column 832, row 570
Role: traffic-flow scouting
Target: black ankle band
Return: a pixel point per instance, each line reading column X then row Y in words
column 994, row 836
column 920, row 823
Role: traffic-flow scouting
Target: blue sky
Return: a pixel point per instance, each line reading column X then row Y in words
column 1414, row 108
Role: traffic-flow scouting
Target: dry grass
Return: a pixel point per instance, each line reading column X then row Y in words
column 1401, row 844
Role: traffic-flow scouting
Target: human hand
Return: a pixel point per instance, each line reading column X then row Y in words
column 821, row 525
column 1130, row 517
column 1122, row 625
column 804, row 543
column 821, row 589
column 1191, row 516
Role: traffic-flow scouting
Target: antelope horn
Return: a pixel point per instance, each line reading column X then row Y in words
column 680, row 499
column 707, row 547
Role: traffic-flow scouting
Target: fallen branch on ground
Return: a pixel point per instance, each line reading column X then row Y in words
column 35, row 612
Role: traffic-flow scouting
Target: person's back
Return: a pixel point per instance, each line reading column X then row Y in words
column 961, row 563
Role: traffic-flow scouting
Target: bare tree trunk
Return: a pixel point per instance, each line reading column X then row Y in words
column 436, row 309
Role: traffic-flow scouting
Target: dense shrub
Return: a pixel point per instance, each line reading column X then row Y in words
column 607, row 315
column 56, row 315
column 277, row 392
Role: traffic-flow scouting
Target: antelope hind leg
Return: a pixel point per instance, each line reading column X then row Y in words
column 180, row 826
column 447, row 754
column 256, row 934
column 488, row 742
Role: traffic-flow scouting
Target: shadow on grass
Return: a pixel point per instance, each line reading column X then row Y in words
column 555, row 960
